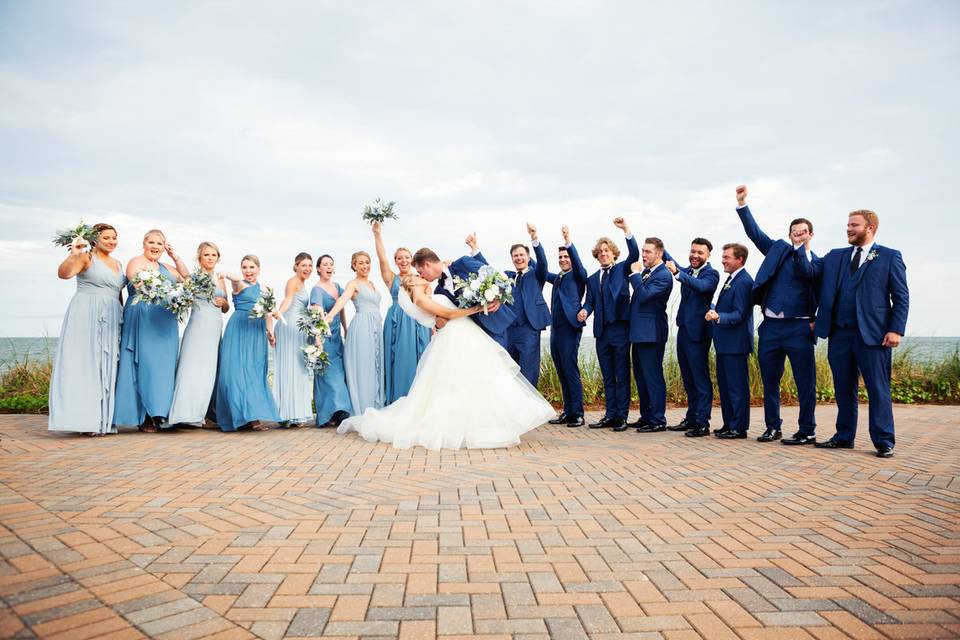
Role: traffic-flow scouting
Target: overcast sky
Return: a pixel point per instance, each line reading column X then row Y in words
column 265, row 127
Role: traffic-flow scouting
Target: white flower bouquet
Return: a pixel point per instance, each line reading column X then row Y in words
column 179, row 301
column 379, row 211
column 200, row 285
column 150, row 287
column 313, row 322
column 65, row 237
column 483, row 288
column 314, row 357
column 265, row 304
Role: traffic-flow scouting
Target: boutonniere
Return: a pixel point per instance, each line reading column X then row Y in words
column 726, row 286
column 873, row 254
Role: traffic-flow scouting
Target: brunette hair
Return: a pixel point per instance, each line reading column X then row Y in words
column 740, row 252
column 800, row 221
column 704, row 242
column 423, row 256
column 303, row 255
column 519, row 245
column 656, row 242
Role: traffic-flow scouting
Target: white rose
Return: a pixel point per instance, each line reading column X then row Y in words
column 491, row 294
column 475, row 285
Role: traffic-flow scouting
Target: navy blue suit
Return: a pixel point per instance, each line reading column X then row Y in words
column 566, row 330
column 494, row 324
column 532, row 316
column 693, row 339
column 782, row 287
column 611, row 327
column 733, row 343
column 856, row 311
column 649, row 331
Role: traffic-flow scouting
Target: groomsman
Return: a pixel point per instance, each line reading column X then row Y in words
column 566, row 329
column 698, row 282
column 733, row 342
column 652, row 284
column 864, row 302
column 531, row 310
column 787, row 299
column 608, row 299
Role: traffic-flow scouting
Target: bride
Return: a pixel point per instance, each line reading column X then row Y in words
column 468, row 392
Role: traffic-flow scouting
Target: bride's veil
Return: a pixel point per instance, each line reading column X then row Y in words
column 426, row 319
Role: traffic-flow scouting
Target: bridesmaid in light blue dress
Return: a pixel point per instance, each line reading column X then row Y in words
column 148, row 345
column 243, row 397
column 199, row 350
column 363, row 348
column 84, row 372
column 292, row 380
column 404, row 339
column 330, row 393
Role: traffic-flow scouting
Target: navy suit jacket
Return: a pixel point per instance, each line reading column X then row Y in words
column 648, row 306
column 775, row 253
column 733, row 332
column 616, row 304
column 696, row 296
column 529, row 293
column 567, row 296
column 883, row 299
column 494, row 323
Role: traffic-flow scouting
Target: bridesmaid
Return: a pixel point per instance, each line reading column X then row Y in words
column 84, row 372
column 292, row 381
column 197, row 367
column 243, row 397
column 148, row 344
column 404, row 339
column 363, row 348
column 330, row 393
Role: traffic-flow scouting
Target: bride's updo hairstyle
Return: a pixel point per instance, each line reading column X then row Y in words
column 410, row 282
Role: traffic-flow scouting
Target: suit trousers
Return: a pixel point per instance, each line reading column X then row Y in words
column 788, row 338
column 733, row 381
column 850, row 356
column 523, row 345
column 564, row 349
column 693, row 356
column 651, row 387
column 613, row 355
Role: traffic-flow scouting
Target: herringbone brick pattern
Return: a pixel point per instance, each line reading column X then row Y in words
column 576, row 533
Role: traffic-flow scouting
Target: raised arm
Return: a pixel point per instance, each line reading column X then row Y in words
column 576, row 264
column 385, row 271
column 753, row 231
column 540, row 268
column 180, row 270
column 76, row 262
column 342, row 300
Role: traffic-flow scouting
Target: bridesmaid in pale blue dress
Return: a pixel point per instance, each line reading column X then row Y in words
column 363, row 348
column 292, row 380
column 84, row 373
column 199, row 350
column 243, row 397
column 330, row 393
column 148, row 344
column 404, row 339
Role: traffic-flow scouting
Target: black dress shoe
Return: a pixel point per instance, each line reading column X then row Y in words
column 800, row 438
column 683, row 426
column 732, row 435
column 602, row 423
column 576, row 422
column 618, row 424
column 337, row 418
column 884, row 452
column 698, row 432
column 639, row 422
column 652, row 428
column 560, row 419
column 723, row 429
column 833, row 443
column 769, row 435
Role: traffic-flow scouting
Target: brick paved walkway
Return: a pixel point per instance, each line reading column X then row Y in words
column 575, row 533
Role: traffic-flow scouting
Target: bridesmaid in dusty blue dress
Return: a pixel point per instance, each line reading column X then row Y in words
column 243, row 397
column 404, row 339
column 84, row 372
column 330, row 393
column 197, row 367
column 148, row 345
column 292, row 380
column 363, row 348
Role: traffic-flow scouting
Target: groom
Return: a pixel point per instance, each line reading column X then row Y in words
column 431, row 269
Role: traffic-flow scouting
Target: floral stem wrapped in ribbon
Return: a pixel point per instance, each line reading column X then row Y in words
column 483, row 288
column 379, row 211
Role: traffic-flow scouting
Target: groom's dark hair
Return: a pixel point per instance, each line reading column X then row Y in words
column 423, row 256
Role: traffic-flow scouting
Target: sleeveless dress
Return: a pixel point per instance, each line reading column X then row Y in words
column 404, row 340
column 197, row 368
column 148, row 360
column 292, row 381
column 468, row 392
column 242, row 392
column 330, row 387
column 363, row 352
column 85, row 370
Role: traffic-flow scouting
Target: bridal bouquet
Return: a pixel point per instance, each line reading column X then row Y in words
column 179, row 301
column 150, row 287
column 200, row 285
column 65, row 237
column 483, row 288
column 379, row 211
column 265, row 304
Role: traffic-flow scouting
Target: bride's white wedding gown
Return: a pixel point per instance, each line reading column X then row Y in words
column 468, row 392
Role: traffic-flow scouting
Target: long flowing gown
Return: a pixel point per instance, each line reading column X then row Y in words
column 292, row 380
column 85, row 369
column 243, row 395
column 468, row 392
column 330, row 386
column 404, row 341
column 148, row 360
column 197, row 367
column 363, row 352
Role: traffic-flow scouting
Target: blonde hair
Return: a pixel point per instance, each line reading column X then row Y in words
column 873, row 220
column 353, row 259
column 610, row 244
column 204, row 245
column 407, row 282
column 154, row 232
column 399, row 249
column 252, row 258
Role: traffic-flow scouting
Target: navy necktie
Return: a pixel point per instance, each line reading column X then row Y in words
column 855, row 263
